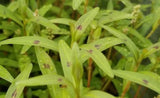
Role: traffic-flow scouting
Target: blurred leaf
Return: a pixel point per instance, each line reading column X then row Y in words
column 122, row 50
column 111, row 16
column 25, row 49
column 110, row 5
column 4, row 74
column 135, row 33
column 48, row 79
column 99, row 59
column 84, row 21
column 64, row 21
column 65, row 56
column 152, row 49
column 45, row 22
column 142, row 79
column 77, row 69
column 13, row 6
column 98, row 94
column 42, row 11
column 15, row 91
column 8, row 62
column 133, row 48
column 76, row 4
column 45, row 63
column 101, row 44
column 4, row 12
column 32, row 40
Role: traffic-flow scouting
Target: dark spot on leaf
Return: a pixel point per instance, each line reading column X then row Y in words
column 90, row 51
column 68, row 64
column 47, row 66
column 124, row 40
column 36, row 42
column 155, row 47
column 59, row 79
column 14, row 94
column 97, row 46
column 79, row 27
column 62, row 86
column 145, row 81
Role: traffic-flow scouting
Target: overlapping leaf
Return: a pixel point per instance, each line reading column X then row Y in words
column 4, row 74
column 133, row 48
column 32, row 40
column 142, row 79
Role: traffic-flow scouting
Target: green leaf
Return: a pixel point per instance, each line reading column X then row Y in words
column 65, row 56
column 64, row 21
column 84, row 21
column 45, row 22
column 4, row 74
column 110, row 16
column 48, row 79
column 135, row 33
column 77, row 69
column 25, row 49
column 4, row 12
column 132, row 47
column 76, row 4
column 142, row 79
column 122, row 50
column 152, row 49
column 15, row 91
column 45, row 63
column 98, row 94
column 32, row 40
column 110, row 5
column 99, row 59
column 42, row 11
column 101, row 44
column 8, row 62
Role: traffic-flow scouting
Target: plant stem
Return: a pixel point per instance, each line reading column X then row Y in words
column 106, row 85
column 89, row 72
column 137, row 92
column 126, row 89
column 129, row 82
column 85, row 6
column 153, row 29
column 109, row 53
column 61, row 8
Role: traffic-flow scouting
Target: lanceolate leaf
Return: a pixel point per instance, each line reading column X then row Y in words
column 47, row 67
column 110, row 16
column 49, row 79
column 133, row 48
column 65, row 56
column 76, row 4
column 100, row 60
column 15, row 91
column 45, row 63
column 32, row 40
column 4, row 74
column 101, row 44
column 42, row 11
column 142, row 79
column 97, row 94
column 64, row 21
column 45, row 22
column 8, row 62
column 152, row 49
column 4, row 12
column 84, row 21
